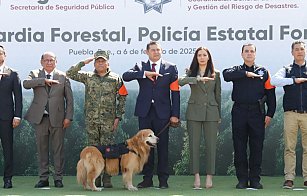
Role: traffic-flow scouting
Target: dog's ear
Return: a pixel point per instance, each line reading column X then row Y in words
column 143, row 135
column 138, row 136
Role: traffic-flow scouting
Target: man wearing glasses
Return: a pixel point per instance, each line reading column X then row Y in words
column 50, row 112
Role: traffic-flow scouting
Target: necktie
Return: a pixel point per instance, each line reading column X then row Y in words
column 153, row 69
column 48, row 76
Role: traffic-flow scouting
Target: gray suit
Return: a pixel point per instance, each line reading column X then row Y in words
column 203, row 113
column 60, row 101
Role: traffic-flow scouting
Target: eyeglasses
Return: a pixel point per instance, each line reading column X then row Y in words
column 2, row 53
column 49, row 60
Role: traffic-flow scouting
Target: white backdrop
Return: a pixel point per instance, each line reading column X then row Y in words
column 74, row 29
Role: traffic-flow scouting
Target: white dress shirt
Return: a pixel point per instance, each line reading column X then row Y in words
column 51, row 74
column 158, row 65
column 1, row 70
column 279, row 79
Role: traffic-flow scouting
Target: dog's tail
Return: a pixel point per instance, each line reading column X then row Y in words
column 81, row 172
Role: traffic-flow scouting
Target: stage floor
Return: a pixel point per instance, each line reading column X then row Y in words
column 179, row 185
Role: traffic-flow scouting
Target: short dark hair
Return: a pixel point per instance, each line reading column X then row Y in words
column 297, row 42
column 248, row 44
column 2, row 48
column 152, row 43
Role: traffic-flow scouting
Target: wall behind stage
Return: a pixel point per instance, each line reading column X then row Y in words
column 75, row 29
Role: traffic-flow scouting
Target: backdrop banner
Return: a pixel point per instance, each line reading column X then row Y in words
column 75, row 29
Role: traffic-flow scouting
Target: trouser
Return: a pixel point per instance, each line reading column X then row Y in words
column 210, row 130
column 247, row 127
column 101, row 133
column 44, row 133
column 292, row 122
column 6, row 136
column 151, row 121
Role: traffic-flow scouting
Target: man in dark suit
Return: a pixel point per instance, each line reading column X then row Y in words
column 157, row 104
column 51, row 112
column 10, row 114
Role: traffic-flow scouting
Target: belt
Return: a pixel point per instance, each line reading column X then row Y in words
column 46, row 115
column 247, row 106
column 299, row 111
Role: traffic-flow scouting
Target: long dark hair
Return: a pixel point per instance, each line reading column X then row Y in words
column 194, row 67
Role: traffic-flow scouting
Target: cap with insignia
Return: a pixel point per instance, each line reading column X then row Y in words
column 101, row 54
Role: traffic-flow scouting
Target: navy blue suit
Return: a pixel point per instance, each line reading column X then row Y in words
column 10, row 107
column 156, row 103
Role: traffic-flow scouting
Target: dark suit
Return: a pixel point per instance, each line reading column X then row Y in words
column 156, row 103
column 10, row 107
column 60, row 101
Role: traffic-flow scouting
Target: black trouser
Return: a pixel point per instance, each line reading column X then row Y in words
column 151, row 121
column 247, row 126
column 6, row 136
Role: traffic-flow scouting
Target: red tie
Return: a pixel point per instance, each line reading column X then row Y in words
column 153, row 69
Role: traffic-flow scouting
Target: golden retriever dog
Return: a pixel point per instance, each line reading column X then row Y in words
column 92, row 163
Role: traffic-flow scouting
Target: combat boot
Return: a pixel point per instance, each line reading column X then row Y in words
column 98, row 181
column 106, row 180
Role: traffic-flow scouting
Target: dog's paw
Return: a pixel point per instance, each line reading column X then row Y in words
column 132, row 188
column 97, row 189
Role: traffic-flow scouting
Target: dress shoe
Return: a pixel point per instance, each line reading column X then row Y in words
column 41, row 184
column 305, row 183
column 98, row 181
column 106, row 180
column 58, row 184
column 107, row 185
column 197, row 187
column 209, row 183
column 241, row 185
column 8, row 184
column 163, row 185
column 288, row 184
column 256, row 185
column 145, row 184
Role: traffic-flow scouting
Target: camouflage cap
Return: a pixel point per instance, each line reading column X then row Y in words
column 101, row 54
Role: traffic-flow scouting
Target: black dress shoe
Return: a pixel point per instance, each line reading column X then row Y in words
column 145, row 184
column 256, row 185
column 163, row 185
column 41, row 184
column 241, row 185
column 8, row 184
column 98, row 181
column 58, row 184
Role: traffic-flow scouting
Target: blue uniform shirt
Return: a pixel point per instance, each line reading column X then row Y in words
column 249, row 90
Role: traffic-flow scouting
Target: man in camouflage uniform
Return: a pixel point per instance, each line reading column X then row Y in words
column 105, row 97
